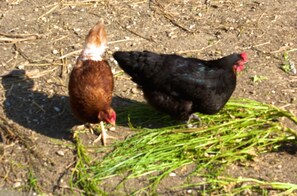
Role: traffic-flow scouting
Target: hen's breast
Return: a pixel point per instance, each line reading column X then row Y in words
column 90, row 90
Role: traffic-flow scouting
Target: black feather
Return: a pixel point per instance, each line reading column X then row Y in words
column 181, row 86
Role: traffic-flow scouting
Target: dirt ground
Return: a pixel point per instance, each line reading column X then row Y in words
column 44, row 38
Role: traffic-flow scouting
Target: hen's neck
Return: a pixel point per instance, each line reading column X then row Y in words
column 93, row 52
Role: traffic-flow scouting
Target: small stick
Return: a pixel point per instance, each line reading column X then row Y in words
column 255, row 46
column 70, row 54
column 119, row 41
column 170, row 17
column 192, row 51
column 36, row 104
column 48, row 12
column 135, row 33
column 78, row 51
column 13, row 40
column 20, row 35
column 282, row 49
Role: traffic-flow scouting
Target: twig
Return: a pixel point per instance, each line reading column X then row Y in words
column 170, row 17
column 70, row 54
column 78, row 51
column 260, row 18
column 133, row 32
column 49, row 11
column 71, row 188
column 58, row 39
column 258, row 45
column 292, row 50
column 14, row 40
column 192, row 51
column 119, row 41
column 283, row 48
column 41, row 64
column 36, row 104
column 20, row 35
column 17, row 49
column 63, row 66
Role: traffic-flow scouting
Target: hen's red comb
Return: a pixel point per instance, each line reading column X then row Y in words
column 244, row 56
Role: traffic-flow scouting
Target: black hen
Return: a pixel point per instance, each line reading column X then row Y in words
column 181, row 86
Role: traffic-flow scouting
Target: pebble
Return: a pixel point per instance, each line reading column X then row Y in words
column 134, row 90
column 44, row 19
column 189, row 126
column 112, row 129
column 55, row 51
column 60, row 153
column 17, row 185
column 21, row 67
column 172, row 174
column 189, row 191
column 57, row 109
column 77, row 29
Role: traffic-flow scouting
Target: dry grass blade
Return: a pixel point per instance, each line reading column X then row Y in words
column 170, row 17
column 55, row 6
column 76, row 52
column 198, row 50
column 36, row 36
column 15, row 40
column 35, row 73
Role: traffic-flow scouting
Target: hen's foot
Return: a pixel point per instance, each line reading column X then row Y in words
column 103, row 136
column 193, row 117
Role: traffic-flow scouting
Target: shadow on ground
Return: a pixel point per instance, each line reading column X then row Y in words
column 52, row 116
column 47, row 115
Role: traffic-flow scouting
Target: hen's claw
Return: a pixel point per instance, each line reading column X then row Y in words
column 193, row 117
column 103, row 135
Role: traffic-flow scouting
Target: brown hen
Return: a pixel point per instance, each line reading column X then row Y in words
column 91, row 83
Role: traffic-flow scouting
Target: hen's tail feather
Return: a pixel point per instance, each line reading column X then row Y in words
column 127, row 60
column 139, row 65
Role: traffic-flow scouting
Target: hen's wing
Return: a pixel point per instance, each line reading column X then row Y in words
column 90, row 89
column 209, row 87
column 193, row 78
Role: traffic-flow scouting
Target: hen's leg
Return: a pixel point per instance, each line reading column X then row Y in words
column 193, row 117
column 103, row 135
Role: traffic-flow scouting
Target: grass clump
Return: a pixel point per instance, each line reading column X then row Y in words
column 243, row 186
column 80, row 175
column 288, row 66
column 243, row 129
column 32, row 182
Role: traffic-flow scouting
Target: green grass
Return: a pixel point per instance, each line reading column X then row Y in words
column 32, row 183
column 258, row 79
column 242, row 130
column 288, row 66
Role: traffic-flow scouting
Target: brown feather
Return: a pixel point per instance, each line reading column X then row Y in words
column 91, row 82
column 90, row 90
